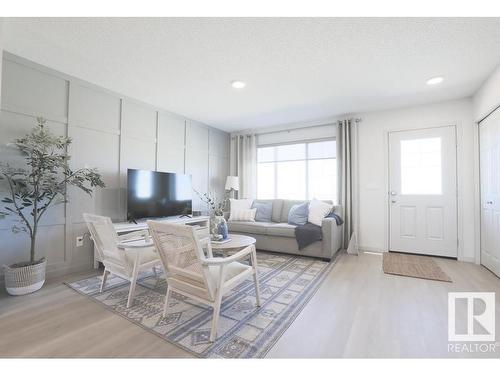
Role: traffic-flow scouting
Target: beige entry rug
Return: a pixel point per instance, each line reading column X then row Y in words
column 419, row 266
column 245, row 331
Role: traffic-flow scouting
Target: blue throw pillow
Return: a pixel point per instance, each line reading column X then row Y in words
column 264, row 211
column 298, row 214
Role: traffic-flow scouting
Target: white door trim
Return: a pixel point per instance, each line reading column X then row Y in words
column 484, row 256
column 477, row 196
column 458, row 142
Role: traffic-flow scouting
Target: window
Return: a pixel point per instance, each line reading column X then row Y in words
column 297, row 171
column 421, row 166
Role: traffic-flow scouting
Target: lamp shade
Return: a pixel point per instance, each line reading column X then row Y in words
column 232, row 183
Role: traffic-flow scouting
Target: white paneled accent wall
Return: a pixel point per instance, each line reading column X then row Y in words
column 197, row 159
column 94, row 109
column 171, row 143
column 33, row 92
column 110, row 132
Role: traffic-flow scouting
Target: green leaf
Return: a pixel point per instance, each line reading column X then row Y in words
column 46, row 173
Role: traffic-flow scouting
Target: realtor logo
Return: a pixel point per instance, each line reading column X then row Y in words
column 471, row 316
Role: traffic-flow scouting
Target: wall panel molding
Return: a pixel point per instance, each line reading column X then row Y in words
column 138, row 121
column 104, row 127
column 93, row 109
column 28, row 91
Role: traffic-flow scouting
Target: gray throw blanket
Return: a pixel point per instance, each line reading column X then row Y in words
column 337, row 218
column 309, row 233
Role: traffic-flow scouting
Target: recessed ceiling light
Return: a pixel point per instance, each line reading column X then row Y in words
column 435, row 80
column 238, row 84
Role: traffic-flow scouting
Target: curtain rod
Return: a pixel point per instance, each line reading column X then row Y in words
column 489, row 114
column 299, row 128
column 352, row 119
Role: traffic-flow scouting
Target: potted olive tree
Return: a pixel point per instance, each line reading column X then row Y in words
column 30, row 191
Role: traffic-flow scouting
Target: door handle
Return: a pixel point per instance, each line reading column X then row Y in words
column 393, row 201
column 393, row 193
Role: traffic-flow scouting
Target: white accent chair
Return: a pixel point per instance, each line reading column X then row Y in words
column 193, row 274
column 121, row 261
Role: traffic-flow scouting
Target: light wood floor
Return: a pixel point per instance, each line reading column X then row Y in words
column 357, row 312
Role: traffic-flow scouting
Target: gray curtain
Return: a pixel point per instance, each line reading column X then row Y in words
column 243, row 163
column 347, row 184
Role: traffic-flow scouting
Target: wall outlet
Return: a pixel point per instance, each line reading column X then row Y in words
column 79, row 241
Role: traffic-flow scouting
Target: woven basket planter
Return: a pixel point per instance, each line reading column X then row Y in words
column 24, row 280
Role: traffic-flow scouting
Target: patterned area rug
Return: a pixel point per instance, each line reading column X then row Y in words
column 244, row 331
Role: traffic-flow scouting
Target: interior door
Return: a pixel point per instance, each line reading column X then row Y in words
column 423, row 191
column 489, row 144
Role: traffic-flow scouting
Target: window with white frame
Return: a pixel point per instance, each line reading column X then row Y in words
column 298, row 171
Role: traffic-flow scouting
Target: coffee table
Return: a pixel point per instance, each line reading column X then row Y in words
column 237, row 242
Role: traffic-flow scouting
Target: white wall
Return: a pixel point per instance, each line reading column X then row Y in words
column 373, row 168
column 1, row 53
column 487, row 98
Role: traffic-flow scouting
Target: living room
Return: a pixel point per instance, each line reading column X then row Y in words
column 238, row 188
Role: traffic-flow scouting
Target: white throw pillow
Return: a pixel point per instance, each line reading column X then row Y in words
column 243, row 215
column 237, row 205
column 318, row 211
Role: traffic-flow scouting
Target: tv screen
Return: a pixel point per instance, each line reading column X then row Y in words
column 157, row 194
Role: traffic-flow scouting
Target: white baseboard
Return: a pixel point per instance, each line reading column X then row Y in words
column 378, row 250
column 371, row 249
column 468, row 259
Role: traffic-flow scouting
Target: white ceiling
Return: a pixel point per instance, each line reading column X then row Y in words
column 296, row 69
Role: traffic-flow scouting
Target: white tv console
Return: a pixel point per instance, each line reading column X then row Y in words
column 202, row 224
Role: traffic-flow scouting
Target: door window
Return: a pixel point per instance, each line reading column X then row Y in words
column 421, row 172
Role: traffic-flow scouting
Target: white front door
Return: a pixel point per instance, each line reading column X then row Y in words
column 423, row 191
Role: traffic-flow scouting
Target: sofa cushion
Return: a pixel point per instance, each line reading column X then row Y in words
column 247, row 227
column 232, row 269
column 281, row 230
column 264, row 211
column 237, row 205
column 277, row 205
column 318, row 210
column 243, row 215
column 298, row 214
column 287, row 205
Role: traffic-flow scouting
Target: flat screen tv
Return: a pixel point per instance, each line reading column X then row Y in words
column 157, row 194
